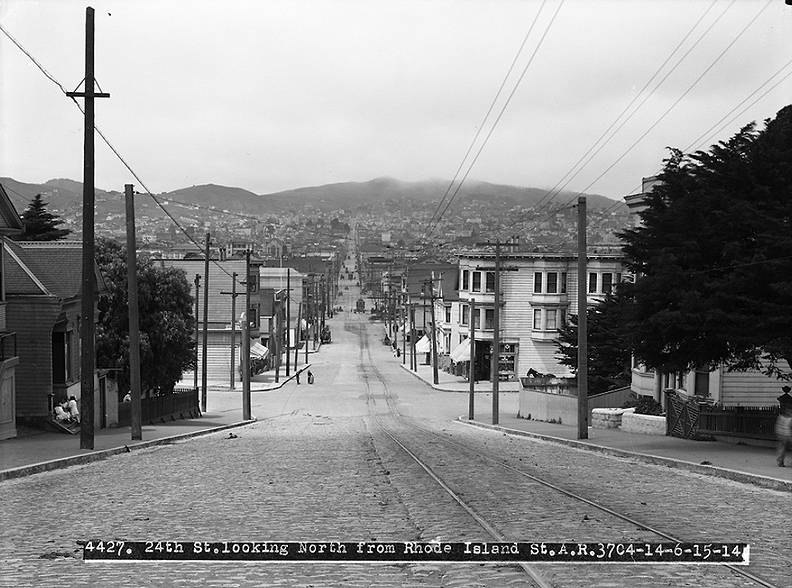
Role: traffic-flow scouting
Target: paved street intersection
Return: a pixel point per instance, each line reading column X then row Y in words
column 319, row 466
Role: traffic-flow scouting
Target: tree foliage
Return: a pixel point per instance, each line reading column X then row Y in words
column 166, row 320
column 40, row 224
column 608, row 350
column 714, row 257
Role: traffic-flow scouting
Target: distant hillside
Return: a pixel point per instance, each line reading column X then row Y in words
column 65, row 194
column 350, row 195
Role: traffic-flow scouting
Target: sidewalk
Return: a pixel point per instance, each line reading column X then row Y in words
column 743, row 463
column 41, row 451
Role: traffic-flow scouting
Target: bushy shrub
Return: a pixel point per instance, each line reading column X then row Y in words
column 648, row 405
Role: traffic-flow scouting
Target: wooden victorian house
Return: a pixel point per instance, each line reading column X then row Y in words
column 10, row 225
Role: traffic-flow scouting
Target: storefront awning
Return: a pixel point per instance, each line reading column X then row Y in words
column 424, row 345
column 258, row 351
column 461, row 352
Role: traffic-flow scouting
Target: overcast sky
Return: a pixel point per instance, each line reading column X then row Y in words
column 273, row 95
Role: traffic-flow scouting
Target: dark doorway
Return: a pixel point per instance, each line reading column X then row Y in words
column 483, row 359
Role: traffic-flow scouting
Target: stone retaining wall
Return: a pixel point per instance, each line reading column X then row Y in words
column 643, row 423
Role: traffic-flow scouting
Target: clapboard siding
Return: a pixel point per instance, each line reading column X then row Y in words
column 218, row 365
column 749, row 388
column 519, row 300
column 32, row 318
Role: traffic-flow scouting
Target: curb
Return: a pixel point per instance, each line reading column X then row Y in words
column 65, row 462
column 705, row 470
column 439, row 388
column 275, row 385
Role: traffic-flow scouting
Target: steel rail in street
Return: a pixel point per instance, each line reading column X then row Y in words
column 393, row 409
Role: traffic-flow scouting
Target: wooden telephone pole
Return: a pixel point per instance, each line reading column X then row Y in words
column 205, row 347
column 495, row 354
column 132, row 302
column 87, row 327
column 233, row 293
column 435, row 375
column 582, row 304
column 197, row 298
column 246, row 342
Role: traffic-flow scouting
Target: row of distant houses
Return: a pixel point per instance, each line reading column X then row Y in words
column 538, row 294
column 40, row 308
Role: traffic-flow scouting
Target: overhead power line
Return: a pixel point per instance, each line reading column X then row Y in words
column 590, row 153
column 677, row 101
column 483, row 122
column 500, row 115
column 110, row 145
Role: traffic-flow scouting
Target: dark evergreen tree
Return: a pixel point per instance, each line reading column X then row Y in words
column 714, row 257
column 166, row 320
column 608, row 348
column 40, row 224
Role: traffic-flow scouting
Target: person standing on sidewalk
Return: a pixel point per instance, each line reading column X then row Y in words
column 783, row 430
column 297, row 376
column 310, row 377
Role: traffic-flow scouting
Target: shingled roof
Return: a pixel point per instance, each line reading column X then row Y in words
column 45, row 267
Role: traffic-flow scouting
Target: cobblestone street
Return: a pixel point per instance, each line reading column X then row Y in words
column 318, row 465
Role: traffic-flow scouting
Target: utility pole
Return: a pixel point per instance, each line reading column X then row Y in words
column 88, row 294
column 233, row 293
column 197, row 298
column 204, row 349
column 272, row 344
column 496, row 340
column 297, row 334
column 288, row 320
column 404, row 332
column 472, row 366
column 413, row 357
column 246, row 343
column 582, row 303
column 132, row 301
column 435, row 376
column 495, row 354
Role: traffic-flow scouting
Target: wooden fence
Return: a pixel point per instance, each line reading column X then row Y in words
column 754, row 422
column 181, row 404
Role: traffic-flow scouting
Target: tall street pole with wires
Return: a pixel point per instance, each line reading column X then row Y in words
column 197, row 333
column 246, row 341
column 582, row 304
column 87, row 327
column 132, row 302
column 205, row 342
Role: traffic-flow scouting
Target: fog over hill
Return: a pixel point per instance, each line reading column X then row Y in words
column 63, row 194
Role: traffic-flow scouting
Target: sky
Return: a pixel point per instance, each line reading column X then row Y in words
column 271, row 95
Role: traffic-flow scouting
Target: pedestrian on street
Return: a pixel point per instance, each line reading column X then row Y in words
column 783, row 430
column 297, row 376
column 310, row 377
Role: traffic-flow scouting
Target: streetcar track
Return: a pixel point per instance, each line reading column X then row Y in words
column 538, row 579
column 393, row 409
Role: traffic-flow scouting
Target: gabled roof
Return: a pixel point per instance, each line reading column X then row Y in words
column 44, row 267
column 10, row 223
